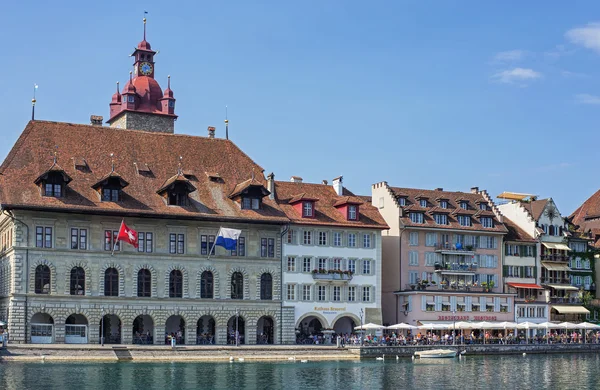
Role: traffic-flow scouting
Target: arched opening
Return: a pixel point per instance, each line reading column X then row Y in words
column 265, row 330
column 344, row 325
column 143, row 330
column 266, row 286
column 144, row 285
column 77, row 281
column 111, row 282
column 175, row 328
column 110, row 329
column 236, row 328
column 42, row 328
column 237, row 285
column 310, row 331
column 176, row 284
column 206, row 330
column 76, row 329
column 207, row 285
column 42, row 279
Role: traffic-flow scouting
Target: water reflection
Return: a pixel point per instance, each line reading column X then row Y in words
column 516, row 371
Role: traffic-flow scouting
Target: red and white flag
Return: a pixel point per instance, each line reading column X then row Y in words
column 128, row 235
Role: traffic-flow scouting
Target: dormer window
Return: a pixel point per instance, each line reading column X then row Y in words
column 444, row 204
column 110, row 187
column 402, row 201
column 176, row 190
column 307, row 209
column 251, row 203
column 464, row 205
column 352, row 212
column 482, row 206
column 131, row 99
column 423, row 202
column 53, row 182
column 110, row 195
column 172, row 103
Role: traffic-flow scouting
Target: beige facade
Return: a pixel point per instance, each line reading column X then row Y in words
column 24, row 305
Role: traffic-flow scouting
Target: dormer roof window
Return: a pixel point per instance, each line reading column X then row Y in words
column 423, row 202
column 176, row 190
column 483, row 206
column 464, row 205
column 53, row 181
column 349, row 206
column 249, row 194
column 110, row 187
column 402, row 201
column 307, row 209
column 304, row 205
column 352, row 212
column 444, row 204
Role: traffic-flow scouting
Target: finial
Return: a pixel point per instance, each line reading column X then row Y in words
column 226, row 124
column 169, row 81
column 35, row 86
column 179, row 170
column 252, row 173
column 55, row 154
column 112, row 162
column 130, row 76
column 117, row 87
column 145, row 13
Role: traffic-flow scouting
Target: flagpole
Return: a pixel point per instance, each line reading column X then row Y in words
column 117, row 240
column 214, row 243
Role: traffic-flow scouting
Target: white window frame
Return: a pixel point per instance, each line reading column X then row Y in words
column 366, row 269
column 291, row 261
column 351, row 240
column 413, row 238
column 415, row 217
column 337, row 238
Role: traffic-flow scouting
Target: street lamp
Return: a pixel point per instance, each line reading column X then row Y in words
column 361, row 324
column 237, row 329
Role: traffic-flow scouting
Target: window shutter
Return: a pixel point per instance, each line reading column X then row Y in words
column 453, row 303
column 423, row 303
column 535, row 272
column 510, row 304
column 423, row 275
column 505, row 270
column 496, row 284
column 410, row 303
column 373, row 294
column 482, row 303
column 468, row 302
column 535, row 251
column 438, row 303
column 496, row 304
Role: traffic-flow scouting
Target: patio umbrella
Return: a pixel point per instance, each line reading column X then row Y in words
column 569, row 325
column 401, row 325
column 587, row 326
column 370, row 326
column 528, row 325
column 432, row 326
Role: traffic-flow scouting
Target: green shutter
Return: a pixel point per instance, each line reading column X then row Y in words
column 522, row 272
column 505, row 270
column 535, row 273
column 535, row 251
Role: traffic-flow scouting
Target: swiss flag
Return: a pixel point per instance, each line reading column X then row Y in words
column 127, row 235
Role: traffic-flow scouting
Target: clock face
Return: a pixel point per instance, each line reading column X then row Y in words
column 145, row 68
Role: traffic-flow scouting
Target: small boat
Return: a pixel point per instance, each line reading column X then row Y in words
column 436, row 354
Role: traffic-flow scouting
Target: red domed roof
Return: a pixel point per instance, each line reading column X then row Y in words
column 144, row 45
column 148, row 91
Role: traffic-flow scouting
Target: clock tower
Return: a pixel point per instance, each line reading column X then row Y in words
column 141, row 105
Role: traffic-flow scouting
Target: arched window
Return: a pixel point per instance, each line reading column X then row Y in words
column 144, row 283
column 176, row 284
column 206, row 285
column 266, row 286
column 237, row 286
column 551, row 230
column 42, row 279
column 77, row 281
column 111, row 282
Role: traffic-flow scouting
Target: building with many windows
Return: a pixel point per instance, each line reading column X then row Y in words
column 442, row 256
column 541, row 220
column 332, row 257
column 64, row 190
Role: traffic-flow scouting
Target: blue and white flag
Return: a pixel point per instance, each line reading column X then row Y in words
column 228, row 238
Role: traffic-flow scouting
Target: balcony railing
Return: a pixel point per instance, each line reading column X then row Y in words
column 329, row 275
column 560, row 258
column 455, row 267
column 452, row 249
column 555, row 281
column 450, row 287
column 567, row 300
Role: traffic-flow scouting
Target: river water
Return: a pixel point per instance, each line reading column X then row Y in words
column 569, row 371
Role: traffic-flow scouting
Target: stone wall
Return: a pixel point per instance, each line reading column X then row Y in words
column 143, row 121
column 289, row 325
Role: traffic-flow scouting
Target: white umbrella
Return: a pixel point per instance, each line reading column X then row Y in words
column 369, row 326
column 432, row 326
column 402, row 325
column 588, row 325
column 528, row 325
column 569, row 325
column 463, row 325
column 2, row 323
column 549, row 325
column 507, row 325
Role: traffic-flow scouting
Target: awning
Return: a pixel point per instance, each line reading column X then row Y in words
column 555, row 245
column 555, row 266
column 525, row 285
column 562, row 287
column 571, row 309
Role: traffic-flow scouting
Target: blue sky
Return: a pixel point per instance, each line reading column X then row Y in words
column 454, row 94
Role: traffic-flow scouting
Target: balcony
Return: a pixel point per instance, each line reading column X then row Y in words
column 332, row 275
column 457, row 249
column 566, row 300
column 555, row 281
column 559, row 258
column 451, row 287
column 448, row 268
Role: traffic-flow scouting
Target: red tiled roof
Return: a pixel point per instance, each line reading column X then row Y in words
column 250, row 183
column 453, row 198
column 348, row 200
column 515, row 233
column 111, row 175
column 302, row 196
column 325, row 211
column 28, row 158
column 535, row 207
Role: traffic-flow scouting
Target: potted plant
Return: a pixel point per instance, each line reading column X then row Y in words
column 491, row 284
column 469, row 247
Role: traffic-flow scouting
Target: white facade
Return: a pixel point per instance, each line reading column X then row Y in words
column 334, row 298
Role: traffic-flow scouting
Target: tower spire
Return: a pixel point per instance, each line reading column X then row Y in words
column 35, row 87
column 145, row 13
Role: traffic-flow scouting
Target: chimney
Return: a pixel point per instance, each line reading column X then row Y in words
column 474, row 190
column 337, row 185
column 96, row 120
column 324, row 182
column 271, row 185
column 296, row 179
column 439, row 189
column 211, row 132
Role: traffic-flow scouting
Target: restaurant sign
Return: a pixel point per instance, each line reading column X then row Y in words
column 329, row 310
column 466, row 318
